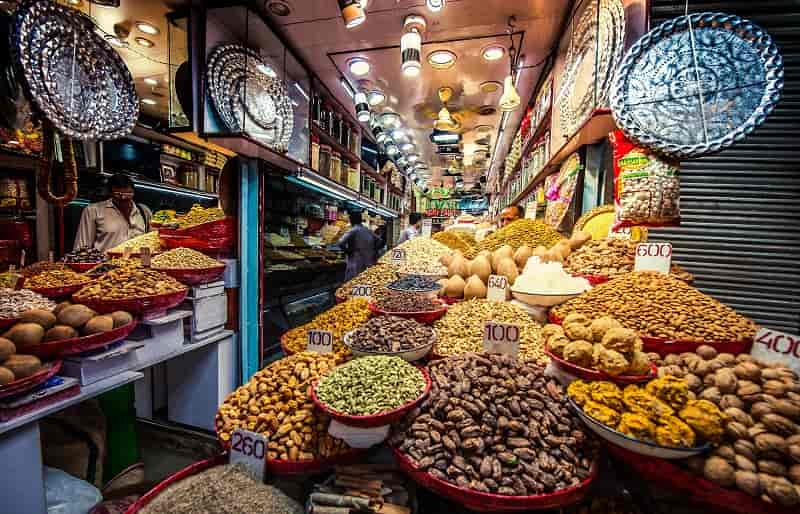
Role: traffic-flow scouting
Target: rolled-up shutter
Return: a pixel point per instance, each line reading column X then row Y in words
column 740, row 209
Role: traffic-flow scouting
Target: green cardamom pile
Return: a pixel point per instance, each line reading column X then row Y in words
column 371, row 385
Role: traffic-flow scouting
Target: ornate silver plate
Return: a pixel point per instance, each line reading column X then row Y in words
column 75, row 78
column 247, row 98
column 595, row 49
column 695, row 85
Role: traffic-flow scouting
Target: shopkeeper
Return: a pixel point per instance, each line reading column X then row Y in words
column 511, row 213
column 360, row 246
column 111, row 222
column 412, row 231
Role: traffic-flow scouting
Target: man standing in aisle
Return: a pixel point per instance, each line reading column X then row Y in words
column 511, row 213
column 412, row 231
column 111, row 222
column 359, row 244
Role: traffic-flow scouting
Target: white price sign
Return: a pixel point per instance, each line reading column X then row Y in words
column 320, row 341
column 530, row 210
column 623, row 233
column 426, row 227
column 497, row 288
column 653, row 257
column 501, row 338
column 249, row 449
column 398, row 256
column 773, row 346
column 361, row 291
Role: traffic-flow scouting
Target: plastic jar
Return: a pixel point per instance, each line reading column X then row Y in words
column 336, row 166
column 314, row 152
column 324, row 160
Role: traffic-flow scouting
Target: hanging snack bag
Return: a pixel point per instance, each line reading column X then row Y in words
column 646, row 186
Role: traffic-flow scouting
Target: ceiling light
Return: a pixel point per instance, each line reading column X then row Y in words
column 510, row 100
column 490, row 86
column 391, row 150
column 444, row 121
column 364, row 4
column 398, row 134
column 362, row 107
column 347, row 87
column 410, row 44
column 413, row 158
column 407, row 147
column 413, row 176
column 352, row 13
column 298, row 87
column 390, row 120
column 148, row 101
column 493, row 52
column 115, row 41
column 435, row 5
column 358, row 66
column 402, row 161
column 107, row 4
column 267, row 70
column 483, row 129
column 74, row 2
column 143, row 41
column 443, row 137
column 151, row 82
column 441, row 59
column 279, row 8
column 147, row 28
column 376, row 97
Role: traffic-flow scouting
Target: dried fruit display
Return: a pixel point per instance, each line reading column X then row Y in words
column 39, row 267
column 523, row 232
column 84, row 254
column 611, row 257
column 13, row 302
column 419, row 250
column 56, row 278
column 496, row 425
column 390, row 334
column 198, row 215
column 375, row 276
column 456, row 240
column 149, row 240
column 129, row 283
column 339, row 320
column 183, row 258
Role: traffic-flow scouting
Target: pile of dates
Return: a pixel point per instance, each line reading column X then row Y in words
column 496, row 425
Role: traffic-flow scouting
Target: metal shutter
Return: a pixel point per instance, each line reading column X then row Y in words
column 740, row 228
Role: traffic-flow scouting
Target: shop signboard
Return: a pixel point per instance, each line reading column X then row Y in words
column 426, row 227
column 249, row 450
column 497, row 288
column 320, row 341
column 777, row 347
column 501, row 338
column 653, row 257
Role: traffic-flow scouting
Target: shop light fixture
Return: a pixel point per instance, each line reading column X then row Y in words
column 352, row 13
column 413, row 158
column 442, row 59
column 443, row 137
column 390, row 120
column 402, row 161
column 358, row 66
column 267, row 70
column 411, row 43
column 175, row 191
column 490, row 86
column 407, row 147
column 362, row 107
column 391, row 149
column 302, row 91
column 71, row 2
column 347, row 87
column 376, row 97
column 149, row 101
column 150, row 81
column 398, row 134
column 143, row 41
column 510, row 100
column 115, row 41
column 147, row 28
column 493, row 52
column 435, row 5
column 444, row 121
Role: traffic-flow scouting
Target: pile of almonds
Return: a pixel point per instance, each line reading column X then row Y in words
column 611, row 257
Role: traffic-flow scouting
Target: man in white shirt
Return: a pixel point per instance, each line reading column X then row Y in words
column 412, row 231
column 111, row 222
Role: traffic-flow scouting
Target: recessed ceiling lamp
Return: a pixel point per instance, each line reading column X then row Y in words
column 352, row 13
column 493, row 52
column 413, row 158
column 115, row 41
column 407, row 147
column 376, row 97
column 73, row 2
column 441, row 59
column 483, row 129
column 279, row 8
column 391, row 149
column 266, row 70
column 143, row 41
column 150, row 82
column 147, row 28
column 148, row 101
column 390, row 120
column 490, row 86
column 358, row 66
column 362, row 107
column 402, row 161
column 435, row 5
column 411, row 43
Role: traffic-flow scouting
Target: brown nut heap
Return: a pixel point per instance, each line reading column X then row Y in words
column 339, row 320
column 390, row 334
column 403, row 301
column 658, row 305
column 496, row 425
column 523, row 232
column 184, row 258
column 376, row 276
column 56, row 278
column 129, row 283
column 611, row 258
column 275, row 402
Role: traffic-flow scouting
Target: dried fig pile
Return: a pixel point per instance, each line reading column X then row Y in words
column 760, row 451
column 496, row 425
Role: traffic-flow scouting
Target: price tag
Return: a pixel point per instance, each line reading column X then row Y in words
column 126, row 252
column 773, row 346
column 623, row 233
column 426, row 227
column 501, row 338
column 22, row 259
column 361, row 291
column 398, row 256
column 51, row 256
column 249, row 449
column 530, row 210
column 497, row 288
column 653, row 257
column 320, row 341
column 144, row 253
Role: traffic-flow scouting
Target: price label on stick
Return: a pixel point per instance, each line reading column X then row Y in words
column 320, row 341
column 501, row 338
column 51, row 255
column 398, row 256
column 497, row 288
column 21, row 259
column 126, row 252
column 623, row 233
column 653, row 257
column 361, row 291
column 426, row 227
column 144, row 253
column 772, row 346
column 249, row 450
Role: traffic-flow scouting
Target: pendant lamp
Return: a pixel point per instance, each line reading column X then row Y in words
column 444, row 121
column 352, row 13
column 510, row 100
column 362, row 107
column 411, row 44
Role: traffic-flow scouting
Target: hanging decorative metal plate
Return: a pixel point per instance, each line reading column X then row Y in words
column 697, row 84
column 595, row 49
column 248, row 98
column 77, row 80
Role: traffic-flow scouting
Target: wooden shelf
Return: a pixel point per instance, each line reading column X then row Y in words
column 537, row 134
column 327, row 139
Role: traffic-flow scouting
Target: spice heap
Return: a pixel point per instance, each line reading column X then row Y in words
column 275, row 403
column 340, row 319
column 414, row 283
column 375, row 276
column 56, row 278
column 600, row 343
column 496, row 425
column 388, row 334
column 420, row 249
column 660, row 412
column 84, row 254
column 198, row 215
column 456, row 240
column 163, row 217
column 221, row 489
column 184, row 258
column 760, row 448
column 371, row 385
column 129, row 283
column 362, row 488
column 522, row 232
column 39, row 267
column 404, row 301
column 549, row 278
column 148, row 240
column 658, row 305
column 422, row 268
column 611, row 257
column 14, row 302
column 105, row 267
column 461, row 329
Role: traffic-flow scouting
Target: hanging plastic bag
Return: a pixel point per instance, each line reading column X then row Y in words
column 68, row 495
column 647, row 186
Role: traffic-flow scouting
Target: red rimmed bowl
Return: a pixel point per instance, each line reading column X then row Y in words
column 594, row 280
column 214, row 244
column 194, row 277
column 82, row 267
column 425, row 317
column 596, row 374
column 411, row 355
column 374, row 420
column 450, row 300
column 75, row 345
column 144, row 305
column 26, row 384
column 664, row 346
column 224, row 228
column 488, row 502
column 58, row 292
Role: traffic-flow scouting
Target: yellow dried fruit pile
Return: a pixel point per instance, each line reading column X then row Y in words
column 456, row 241
column 339, row 320
column 198, row 215
column 378, row 275
column 522, row 232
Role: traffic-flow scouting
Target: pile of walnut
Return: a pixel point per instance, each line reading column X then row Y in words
column 760, row 453
column 496, row 425
column 600, row 343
